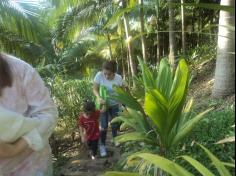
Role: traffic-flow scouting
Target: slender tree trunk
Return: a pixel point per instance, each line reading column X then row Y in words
column 129, row 44
column 143, row 38
column 193, row 41
column 123, row 60
column 183, row 27
column 129, row 70
column 224, row 83
column 157, row 26
column 109, row 45
column 198, row 28
column 163, row 44
column 171, row 35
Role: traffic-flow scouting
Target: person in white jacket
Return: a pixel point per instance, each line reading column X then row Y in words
column 23, row 93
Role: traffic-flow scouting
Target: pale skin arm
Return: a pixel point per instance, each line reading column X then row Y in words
column 10, row 150
column 82, row 133
column 103, row 109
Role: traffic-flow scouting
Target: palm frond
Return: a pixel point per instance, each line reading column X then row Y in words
column 78, row 17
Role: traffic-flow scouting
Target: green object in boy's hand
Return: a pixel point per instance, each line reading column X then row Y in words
column 103, row 94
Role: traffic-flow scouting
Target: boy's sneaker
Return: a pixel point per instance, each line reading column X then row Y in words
column 103, row 151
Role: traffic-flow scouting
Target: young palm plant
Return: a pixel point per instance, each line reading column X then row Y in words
column 164, row 119
column 175, row 169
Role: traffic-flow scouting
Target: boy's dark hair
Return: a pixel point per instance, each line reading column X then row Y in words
column 110, row 65
column 89, row 106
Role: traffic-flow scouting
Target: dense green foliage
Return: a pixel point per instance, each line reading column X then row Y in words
column 68, row 40
column 69, row 96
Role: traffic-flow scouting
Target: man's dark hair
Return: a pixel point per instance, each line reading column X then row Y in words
column 89, row 106
column 5, row 74
column 110, row 65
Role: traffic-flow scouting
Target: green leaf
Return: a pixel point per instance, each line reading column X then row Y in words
column 197, row 165
column 128, row 121
column 178, row 93
column 164, row 79
column 133, row 136
column 126, row 98
column 149, row 81
column 156, row 108
column 218, row 164
column 164, row 164
column 188, row 127
column 229, row 164
column 131, row 3
column 117, row 15
column 140, row 120
column 133, row 119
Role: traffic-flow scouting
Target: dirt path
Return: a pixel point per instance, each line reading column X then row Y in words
column 82, row 165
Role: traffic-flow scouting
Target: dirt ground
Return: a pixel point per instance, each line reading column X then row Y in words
column 202, row 84
column 78, row 163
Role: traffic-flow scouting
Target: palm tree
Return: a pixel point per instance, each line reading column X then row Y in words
column 183, row 27
column 21, row 30
column 157, row 7
column 171, row 34
column 132, row 62
column 225, row 64
column 143, row 39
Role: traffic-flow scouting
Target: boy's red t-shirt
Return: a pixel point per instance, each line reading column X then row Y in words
column 91, row 125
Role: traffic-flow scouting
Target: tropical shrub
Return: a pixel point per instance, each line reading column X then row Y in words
column 69, row 95
column 164, row 119
column 213, row 128
column 174, row 169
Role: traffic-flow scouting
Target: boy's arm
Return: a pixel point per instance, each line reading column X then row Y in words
column 81, row 129
column 82, row 134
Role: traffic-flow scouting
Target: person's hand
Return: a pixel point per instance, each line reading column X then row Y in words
column 103, row 109
column 101, row 101
column 8, row 150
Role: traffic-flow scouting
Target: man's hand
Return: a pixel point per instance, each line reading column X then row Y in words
column 10, row 150
column 104, row 108
column 101, row 101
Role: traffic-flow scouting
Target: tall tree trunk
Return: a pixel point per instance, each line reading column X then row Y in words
column 224, row 83
column 157, row 26
column 109, row 45
column 193, row 41
column 129, row 70
column 163, row 44
column 198, row 27
column 129, row 45
column 171, row 34
column 183, row 27
column 143, row 38
column 123, row 60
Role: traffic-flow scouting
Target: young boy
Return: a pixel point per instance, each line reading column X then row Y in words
column 88, row 124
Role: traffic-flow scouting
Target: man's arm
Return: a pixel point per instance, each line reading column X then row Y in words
column 103, row 109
